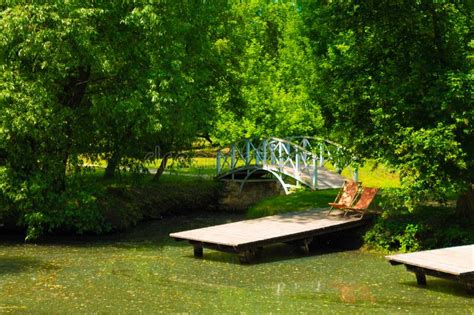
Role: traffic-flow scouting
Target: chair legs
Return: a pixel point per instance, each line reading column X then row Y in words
column 330, row 210
column 359, row 215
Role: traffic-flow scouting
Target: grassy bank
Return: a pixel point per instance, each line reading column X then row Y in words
column 371, row 175
column 125, row 205
column 125, row 200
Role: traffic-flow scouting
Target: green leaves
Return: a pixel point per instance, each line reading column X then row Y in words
column 88, row 79
column 117, row 79
column 271, row 72
column 399, row 92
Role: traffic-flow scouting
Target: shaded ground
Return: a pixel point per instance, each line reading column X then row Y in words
column 145, row 270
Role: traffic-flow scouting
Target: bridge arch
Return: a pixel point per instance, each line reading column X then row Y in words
column 276, row 175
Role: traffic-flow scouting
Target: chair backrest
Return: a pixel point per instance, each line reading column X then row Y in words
column 366, row 198
column 349, row 192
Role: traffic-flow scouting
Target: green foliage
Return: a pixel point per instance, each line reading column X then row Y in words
column 184, row 67
column 429, row 159
column 270, row 72
column 57, row 60
column 76, row 210
column 387, row 236
column 399, row 92
column 97, row 79
column 429, row 227
column 113, row 80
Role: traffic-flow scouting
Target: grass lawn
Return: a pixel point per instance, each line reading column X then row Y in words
column 298, row 201
column 374, row 175
column 371, row 174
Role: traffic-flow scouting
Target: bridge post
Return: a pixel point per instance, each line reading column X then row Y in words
column 247, row 152
column 321, row 155
column 218, row 162
column 315, row 173
column 264, row 153
column 280, row 156
column 305, row 143
column 297, row 164
column 232, row 157
column 356, row 174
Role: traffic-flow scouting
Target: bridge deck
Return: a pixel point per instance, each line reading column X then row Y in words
column 326, row 179
column 246, row 237
column 454, row 263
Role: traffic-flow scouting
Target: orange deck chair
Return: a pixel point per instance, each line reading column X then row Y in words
column 346, row 196
column 366, row 197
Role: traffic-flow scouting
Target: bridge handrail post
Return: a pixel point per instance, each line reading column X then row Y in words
column 356, row 174
column 247, row 152
column 321, row 155
column 232, row 157
column 272, row 155
column 297, row 164
column 315, row 173
column 280, row 156
column 264, row 144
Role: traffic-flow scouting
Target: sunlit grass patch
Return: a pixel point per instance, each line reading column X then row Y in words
column 298, row 201
column 376, row 175
column 372, row 174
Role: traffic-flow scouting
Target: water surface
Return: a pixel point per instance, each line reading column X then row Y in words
column 146, row 271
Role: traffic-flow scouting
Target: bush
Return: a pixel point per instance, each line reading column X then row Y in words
column 426, row 228
column 74, row 211
column 91, row 204
column 388, row 235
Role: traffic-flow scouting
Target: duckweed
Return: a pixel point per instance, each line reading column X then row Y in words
column 146, row 271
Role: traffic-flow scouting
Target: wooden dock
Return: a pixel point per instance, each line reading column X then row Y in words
column 453, row 263
column 246, row 238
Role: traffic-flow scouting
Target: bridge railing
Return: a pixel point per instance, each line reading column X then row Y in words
column 297, row 157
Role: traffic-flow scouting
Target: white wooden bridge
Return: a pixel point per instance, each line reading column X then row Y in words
column 293, row 162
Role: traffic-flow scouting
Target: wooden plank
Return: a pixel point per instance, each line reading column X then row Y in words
column 457, row 261
column 267, row 230
column 452, row 263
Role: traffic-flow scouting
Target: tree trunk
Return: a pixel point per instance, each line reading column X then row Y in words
column 162, row 167
column 465, row 204
column 72, row 96
column 112, row 165
column 438, row 35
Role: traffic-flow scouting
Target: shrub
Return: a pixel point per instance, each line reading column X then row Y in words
column 427, row 227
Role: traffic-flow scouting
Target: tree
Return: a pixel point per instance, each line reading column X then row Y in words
column 48, row 54
column 396, row 81
column 270, row 74
column 185, row 69
column 80, row 79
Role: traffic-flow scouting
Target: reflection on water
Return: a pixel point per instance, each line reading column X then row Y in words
column 146, row 271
